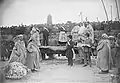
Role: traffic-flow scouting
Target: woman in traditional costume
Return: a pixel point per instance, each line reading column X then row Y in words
column 19, row 50
column 33, row 56
column 104, row 58
column 35, row 34
column 15, row 68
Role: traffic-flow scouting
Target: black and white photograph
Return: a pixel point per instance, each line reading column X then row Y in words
column 59, row 41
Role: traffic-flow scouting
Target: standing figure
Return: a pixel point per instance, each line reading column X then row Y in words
column 2, row 76
column 87, row 51
column 19, row 50
column 62, row 37
column 4, row 51
column 33, row 56
column 35, row 34
column 69, row 50
column 80, row 51
column 45, row 36
column 118, row 53
column 104, row 58
column 113, row 48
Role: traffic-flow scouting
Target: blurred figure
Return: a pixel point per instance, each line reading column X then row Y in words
column 10, row 45
column 19, row 50
column 113, row 48
column 35, row 34
column 2, row 76
column 45, row 36
column 33, row 56
column 69, row 50
column 94, row 47
column 4, row 51
column 80, row 51
column 87, row 51
column 62, row 37
column 104, row 59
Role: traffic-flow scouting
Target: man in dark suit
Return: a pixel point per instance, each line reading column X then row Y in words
column 45, row 36
column 69, row 50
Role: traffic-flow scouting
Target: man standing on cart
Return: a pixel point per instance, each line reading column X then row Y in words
column 62, row 37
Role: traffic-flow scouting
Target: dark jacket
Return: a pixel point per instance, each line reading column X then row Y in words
column 69, row 51
column 45, row 34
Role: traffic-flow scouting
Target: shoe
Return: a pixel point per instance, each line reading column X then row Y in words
column 36, row 69
column 90, row 66
column 84, row 65
column 106, row 71
column 71, row 65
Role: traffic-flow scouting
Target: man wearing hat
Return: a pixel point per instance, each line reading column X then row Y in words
column 45, row 36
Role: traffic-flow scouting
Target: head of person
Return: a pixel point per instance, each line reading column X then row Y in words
column 17, row 38
column 20, row 37
column 38, row 30
column 33, row 30
column 104, row 36
column 85, row 24
column 69, row 37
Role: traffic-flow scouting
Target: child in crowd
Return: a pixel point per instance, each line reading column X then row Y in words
column 69, row 50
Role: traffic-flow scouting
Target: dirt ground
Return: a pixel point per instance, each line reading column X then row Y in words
column 57, row 71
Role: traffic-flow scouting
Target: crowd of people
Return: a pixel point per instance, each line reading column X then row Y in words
column 29, row 54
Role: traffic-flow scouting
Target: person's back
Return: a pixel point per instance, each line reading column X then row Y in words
column 45, row 33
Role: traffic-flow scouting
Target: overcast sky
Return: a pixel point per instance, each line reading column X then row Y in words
column 36, row 11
